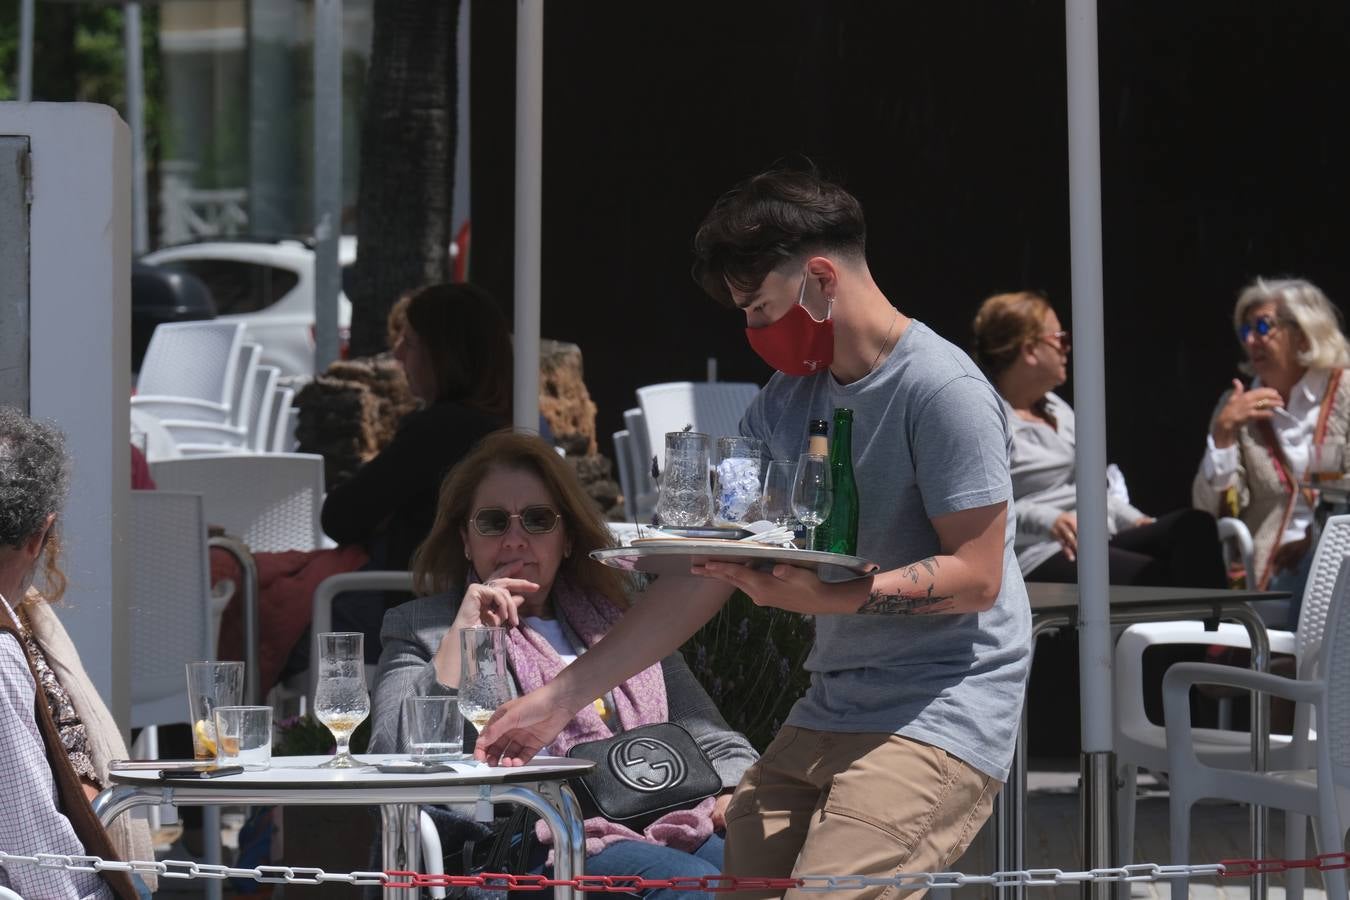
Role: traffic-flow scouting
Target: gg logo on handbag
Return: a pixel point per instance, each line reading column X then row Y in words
column 646, row 764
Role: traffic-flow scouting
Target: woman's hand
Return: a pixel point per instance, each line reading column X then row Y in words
column 1243, row 406
column 719, row 811
column 1289, row 555
column 1065, row 530
column 495, row 602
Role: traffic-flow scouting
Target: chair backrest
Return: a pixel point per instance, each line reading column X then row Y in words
column 241, row 407
column 271, row 501
column 712, row 407
column 636, row 423
column 321, row 617
column 159, row 443
column 260, row 420
column 283, row 421
column 170, row 609
column 623, row 462
column 193, row 359
column 1333, row 726
column 1332, row 546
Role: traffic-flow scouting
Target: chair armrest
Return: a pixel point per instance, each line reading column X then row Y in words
column 1235, row 530
column 1181, row 677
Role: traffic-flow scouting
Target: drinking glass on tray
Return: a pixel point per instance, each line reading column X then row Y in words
column 812, row 494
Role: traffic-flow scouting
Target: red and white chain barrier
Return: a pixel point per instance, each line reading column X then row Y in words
column 1229, row 868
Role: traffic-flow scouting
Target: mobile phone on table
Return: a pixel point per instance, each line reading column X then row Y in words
column 204, row 770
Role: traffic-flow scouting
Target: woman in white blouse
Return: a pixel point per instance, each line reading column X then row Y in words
column 1024, row 351
column 1262, row 436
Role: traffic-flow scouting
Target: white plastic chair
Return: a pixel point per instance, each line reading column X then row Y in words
column 159, row 444
column 171, row 620
column 271, row 502
column 639, row 491
column 1236, row 540
column 1141, row 744
column 284, row 417
column 190, row 371
column 1321, row 791
column 261, row 419
column 7, row 894
column 197, row 437
column 712, row 407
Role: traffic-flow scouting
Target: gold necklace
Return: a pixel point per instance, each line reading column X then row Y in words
column 884, row 341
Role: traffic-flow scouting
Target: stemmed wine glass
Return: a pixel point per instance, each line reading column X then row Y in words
column 341, row 700
column 812, row 493
column 484, row 677
column 776, row 498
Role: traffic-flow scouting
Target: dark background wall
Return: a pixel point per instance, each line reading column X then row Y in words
column 1224, row 134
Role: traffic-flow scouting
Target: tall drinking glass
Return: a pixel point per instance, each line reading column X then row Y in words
column 738, row 493
column 211, row 684
column 685, row 500
column 484, row 676
column 776, row 499
column 812, row 494
column 341, row 701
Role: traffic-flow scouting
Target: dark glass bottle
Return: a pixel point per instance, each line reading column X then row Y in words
column 839, row 534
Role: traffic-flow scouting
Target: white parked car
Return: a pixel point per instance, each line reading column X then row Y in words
column 269, row 286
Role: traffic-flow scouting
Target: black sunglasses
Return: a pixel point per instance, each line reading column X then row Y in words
column 492, row 521
column 1262, row 325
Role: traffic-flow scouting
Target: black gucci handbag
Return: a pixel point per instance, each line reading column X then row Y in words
column 642, row 774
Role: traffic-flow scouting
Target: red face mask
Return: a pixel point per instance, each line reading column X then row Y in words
column 796, row 344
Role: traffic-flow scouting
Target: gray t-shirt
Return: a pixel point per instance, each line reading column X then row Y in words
column 929, row 438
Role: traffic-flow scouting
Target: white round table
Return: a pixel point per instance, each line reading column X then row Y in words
column 294, row 780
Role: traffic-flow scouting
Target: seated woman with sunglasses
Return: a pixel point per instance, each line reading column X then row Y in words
column 1024, row 351
column 511, row 546
column 1262, row 437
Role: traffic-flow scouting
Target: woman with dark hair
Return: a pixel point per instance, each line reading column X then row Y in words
column 1024, row 351
column 511, row 547
column 56, row 735
column 455, row 349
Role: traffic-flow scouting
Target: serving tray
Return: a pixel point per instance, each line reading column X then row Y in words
column 674, row 556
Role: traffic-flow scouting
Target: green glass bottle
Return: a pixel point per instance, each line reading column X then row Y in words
column 839, row 534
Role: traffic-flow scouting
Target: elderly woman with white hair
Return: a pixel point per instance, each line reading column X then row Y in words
column 1262, row 437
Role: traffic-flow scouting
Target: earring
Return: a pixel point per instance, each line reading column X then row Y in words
column 467, row 554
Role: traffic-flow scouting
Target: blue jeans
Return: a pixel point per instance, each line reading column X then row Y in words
column 655, row 861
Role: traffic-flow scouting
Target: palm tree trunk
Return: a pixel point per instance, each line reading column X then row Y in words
column 407, row 161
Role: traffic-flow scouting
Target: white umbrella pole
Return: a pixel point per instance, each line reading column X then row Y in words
column 529, row 206
column 134, row 65
column 26, row 50
column 1089, row 372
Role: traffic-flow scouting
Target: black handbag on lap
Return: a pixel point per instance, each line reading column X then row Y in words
column 642, row 774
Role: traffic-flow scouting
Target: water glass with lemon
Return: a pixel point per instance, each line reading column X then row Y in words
column 211, row 684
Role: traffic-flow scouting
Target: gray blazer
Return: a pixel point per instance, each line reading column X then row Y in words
column 412, row 633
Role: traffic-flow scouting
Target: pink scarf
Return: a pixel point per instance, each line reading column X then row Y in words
column 641, row 700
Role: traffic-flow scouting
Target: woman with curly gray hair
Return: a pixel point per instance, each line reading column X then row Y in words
column 56, row 736
column 1263, row 436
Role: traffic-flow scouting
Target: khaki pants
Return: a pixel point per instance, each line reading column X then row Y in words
column 825, row 803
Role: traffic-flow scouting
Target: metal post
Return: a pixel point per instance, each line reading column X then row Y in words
column 529, row 206
column 26, row 50
column 134, row 63
column 327, row 177
column 1094, row 627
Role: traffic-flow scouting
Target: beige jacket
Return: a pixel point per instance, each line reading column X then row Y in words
column 1262, row 497
column 130, row 835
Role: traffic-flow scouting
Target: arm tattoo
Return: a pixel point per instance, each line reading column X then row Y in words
column 880, row 603
column 929, row 565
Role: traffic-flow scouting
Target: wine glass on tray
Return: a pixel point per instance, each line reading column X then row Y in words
column 812, row 493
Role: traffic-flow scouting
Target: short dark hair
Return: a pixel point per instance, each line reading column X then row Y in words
column 469, row 343
column 768, row 220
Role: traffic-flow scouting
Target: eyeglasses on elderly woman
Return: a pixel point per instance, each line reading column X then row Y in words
column 492, row 521
column 1060, row 340
column 1261, row 326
